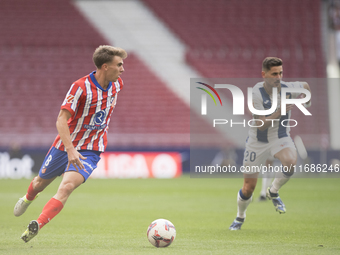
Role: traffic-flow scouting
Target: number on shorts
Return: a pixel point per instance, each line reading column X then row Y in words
column 48, row 160
column 251, row 155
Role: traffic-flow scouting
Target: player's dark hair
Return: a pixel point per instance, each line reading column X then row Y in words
column 269, row 62
column 105, row 53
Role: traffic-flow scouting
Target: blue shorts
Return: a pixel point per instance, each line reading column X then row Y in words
column 55, row 163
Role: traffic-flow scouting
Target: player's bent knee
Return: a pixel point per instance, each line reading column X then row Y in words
column 66, row 189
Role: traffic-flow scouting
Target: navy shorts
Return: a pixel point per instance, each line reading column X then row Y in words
column 55, row 163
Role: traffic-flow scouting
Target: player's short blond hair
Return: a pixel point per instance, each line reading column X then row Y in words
column 105, row 53
column 269, row 62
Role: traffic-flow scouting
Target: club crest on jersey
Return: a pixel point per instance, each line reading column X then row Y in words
column 112, row 99
column 99, row 118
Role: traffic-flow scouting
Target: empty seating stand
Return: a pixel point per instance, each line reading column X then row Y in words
column 231, row 39
column 44, row 47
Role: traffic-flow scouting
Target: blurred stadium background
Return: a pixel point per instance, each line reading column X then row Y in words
column 47, row 44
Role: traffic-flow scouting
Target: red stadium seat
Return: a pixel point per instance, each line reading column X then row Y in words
column 44, row 47
column 231, row 38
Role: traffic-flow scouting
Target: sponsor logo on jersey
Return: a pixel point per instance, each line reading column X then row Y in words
column 99, row 118
column 95, row 127
column 69, row 99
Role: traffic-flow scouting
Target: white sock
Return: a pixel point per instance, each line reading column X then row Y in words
column 279, row 181
column 242, row 205
column 265, row 184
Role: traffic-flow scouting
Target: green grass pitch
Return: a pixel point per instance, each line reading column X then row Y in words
column 111, row 216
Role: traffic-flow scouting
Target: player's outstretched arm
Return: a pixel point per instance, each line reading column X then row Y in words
column 73, row 155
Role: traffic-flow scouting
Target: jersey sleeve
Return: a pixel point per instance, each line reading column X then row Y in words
column 72, row 99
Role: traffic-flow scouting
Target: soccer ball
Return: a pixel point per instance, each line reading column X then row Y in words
column 161, row 233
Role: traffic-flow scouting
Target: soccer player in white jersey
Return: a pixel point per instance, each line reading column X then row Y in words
column 82, row 127
column 270, row 139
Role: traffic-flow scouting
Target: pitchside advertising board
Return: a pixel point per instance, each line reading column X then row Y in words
column 139, row 165
column 111, row 165
column 16, row 167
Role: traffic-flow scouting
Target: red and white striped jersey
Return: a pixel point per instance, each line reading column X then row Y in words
column 91, row 107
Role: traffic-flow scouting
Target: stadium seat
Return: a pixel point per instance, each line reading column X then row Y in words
column 231, row 38
column 42, row 54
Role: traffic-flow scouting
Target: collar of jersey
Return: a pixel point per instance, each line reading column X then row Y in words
column 93, row 79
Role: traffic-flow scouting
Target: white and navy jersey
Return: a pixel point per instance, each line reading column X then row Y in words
column 263, row 101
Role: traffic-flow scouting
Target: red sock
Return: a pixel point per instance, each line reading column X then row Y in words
column 50, row 210
column 31, row 193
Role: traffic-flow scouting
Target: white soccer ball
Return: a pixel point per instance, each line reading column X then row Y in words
column 161, row 233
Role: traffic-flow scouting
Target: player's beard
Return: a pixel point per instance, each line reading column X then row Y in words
column 273, row 83
column 270, row 84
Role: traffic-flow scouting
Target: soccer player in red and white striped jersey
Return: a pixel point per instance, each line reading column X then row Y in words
column 82, row 126
column 91, row 107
